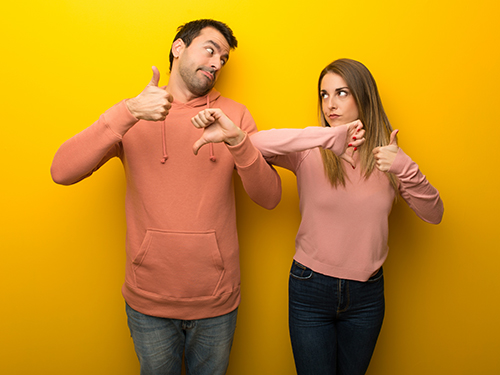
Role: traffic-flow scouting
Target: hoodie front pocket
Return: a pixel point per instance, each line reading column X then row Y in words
column 179, row 264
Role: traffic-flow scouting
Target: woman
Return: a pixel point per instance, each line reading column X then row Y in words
column 336, row 287
column 349, row 172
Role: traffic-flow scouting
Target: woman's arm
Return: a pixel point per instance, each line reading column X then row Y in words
column 420, row 195
column 285, row 141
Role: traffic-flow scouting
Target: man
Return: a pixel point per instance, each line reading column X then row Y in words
column 182, row 267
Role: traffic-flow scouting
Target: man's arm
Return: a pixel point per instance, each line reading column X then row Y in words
column 87, row 151
column 83, row 154
column 260, row 180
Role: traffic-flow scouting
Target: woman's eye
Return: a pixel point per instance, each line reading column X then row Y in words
column 343, row 93
column 324, row 95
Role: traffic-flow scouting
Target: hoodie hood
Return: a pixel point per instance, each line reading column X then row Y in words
column 201, row 102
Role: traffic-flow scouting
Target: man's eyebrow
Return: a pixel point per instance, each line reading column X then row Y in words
column 217, row 46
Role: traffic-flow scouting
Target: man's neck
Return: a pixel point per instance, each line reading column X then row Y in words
column 179, row 91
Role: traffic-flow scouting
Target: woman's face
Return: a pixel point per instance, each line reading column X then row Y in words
column 337, row 103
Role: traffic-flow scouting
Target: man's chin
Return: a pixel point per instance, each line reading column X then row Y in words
column 202, row 90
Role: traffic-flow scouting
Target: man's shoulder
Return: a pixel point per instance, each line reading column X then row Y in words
column 229, row 103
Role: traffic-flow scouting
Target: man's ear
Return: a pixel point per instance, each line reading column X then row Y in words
column 177, row 47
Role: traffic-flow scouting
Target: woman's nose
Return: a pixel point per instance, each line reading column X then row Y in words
column 331, row 103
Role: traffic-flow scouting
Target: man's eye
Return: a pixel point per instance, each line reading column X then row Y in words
column 210, row 51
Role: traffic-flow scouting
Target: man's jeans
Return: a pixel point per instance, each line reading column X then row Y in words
column 334, row 323
column 160, row 343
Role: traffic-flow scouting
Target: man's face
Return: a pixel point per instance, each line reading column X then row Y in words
column 200, row 64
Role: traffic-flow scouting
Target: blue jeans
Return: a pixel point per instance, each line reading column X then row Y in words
column 334, row 323
column 160, row 343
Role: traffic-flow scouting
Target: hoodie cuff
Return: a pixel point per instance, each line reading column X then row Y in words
column 244, row 153
column 119, row 119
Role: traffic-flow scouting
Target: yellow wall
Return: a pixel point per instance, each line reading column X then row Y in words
column 66, row 61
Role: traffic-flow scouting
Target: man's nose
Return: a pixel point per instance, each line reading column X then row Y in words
column 216, row 64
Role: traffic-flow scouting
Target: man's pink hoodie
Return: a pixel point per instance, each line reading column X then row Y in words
column 182, row 245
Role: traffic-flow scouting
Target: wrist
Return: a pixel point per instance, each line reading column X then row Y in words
column 130, row 103
column 237, row 139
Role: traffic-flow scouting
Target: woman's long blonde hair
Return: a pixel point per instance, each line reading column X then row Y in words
column 378, row 130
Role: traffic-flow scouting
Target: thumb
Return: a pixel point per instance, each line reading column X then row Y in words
column 349, row 159
column 156, row 77
column 198, row 144
column 393, row 140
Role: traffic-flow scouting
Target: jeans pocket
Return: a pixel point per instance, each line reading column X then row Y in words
column 300, row 272
column 379, row 275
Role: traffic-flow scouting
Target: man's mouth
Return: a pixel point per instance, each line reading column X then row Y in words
column 209, row 74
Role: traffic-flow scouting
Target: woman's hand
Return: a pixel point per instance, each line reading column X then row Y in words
column 355, row 134
column 385, row 156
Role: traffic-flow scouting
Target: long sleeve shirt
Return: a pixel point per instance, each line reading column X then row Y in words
column 344, row 230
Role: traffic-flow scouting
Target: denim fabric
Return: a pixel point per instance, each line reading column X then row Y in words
column 334, row 323
column 160, row 343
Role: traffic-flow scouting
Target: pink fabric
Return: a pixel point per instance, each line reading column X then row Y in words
column 182, row 246
column 344, row 230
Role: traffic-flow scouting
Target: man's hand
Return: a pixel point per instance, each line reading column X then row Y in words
column 217, row 127
column 153, row 103
column 385, row 156
column 354, row 139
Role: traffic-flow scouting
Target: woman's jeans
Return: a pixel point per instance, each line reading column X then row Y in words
column 160, row 343
column 334, row 323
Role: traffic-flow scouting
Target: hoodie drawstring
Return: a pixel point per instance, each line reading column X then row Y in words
column 212, row 154
column 164, row 140
column 164, row 143
column 211, row 145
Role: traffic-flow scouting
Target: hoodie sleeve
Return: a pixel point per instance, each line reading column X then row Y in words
column 260, row 180
column 420, row 195
column 83, row 154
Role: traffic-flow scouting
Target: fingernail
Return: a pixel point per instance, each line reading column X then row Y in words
column 353, row 167
column 354, row 138
column 355, row 148
column 349, row 145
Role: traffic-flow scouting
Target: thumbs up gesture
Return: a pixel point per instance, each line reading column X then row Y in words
column 385, row 155
column 153, row 103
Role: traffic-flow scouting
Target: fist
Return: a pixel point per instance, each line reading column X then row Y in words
column 355, row 138
column 217, row 127
column 153, row 103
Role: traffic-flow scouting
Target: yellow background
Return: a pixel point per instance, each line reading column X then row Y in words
column 64, row 62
